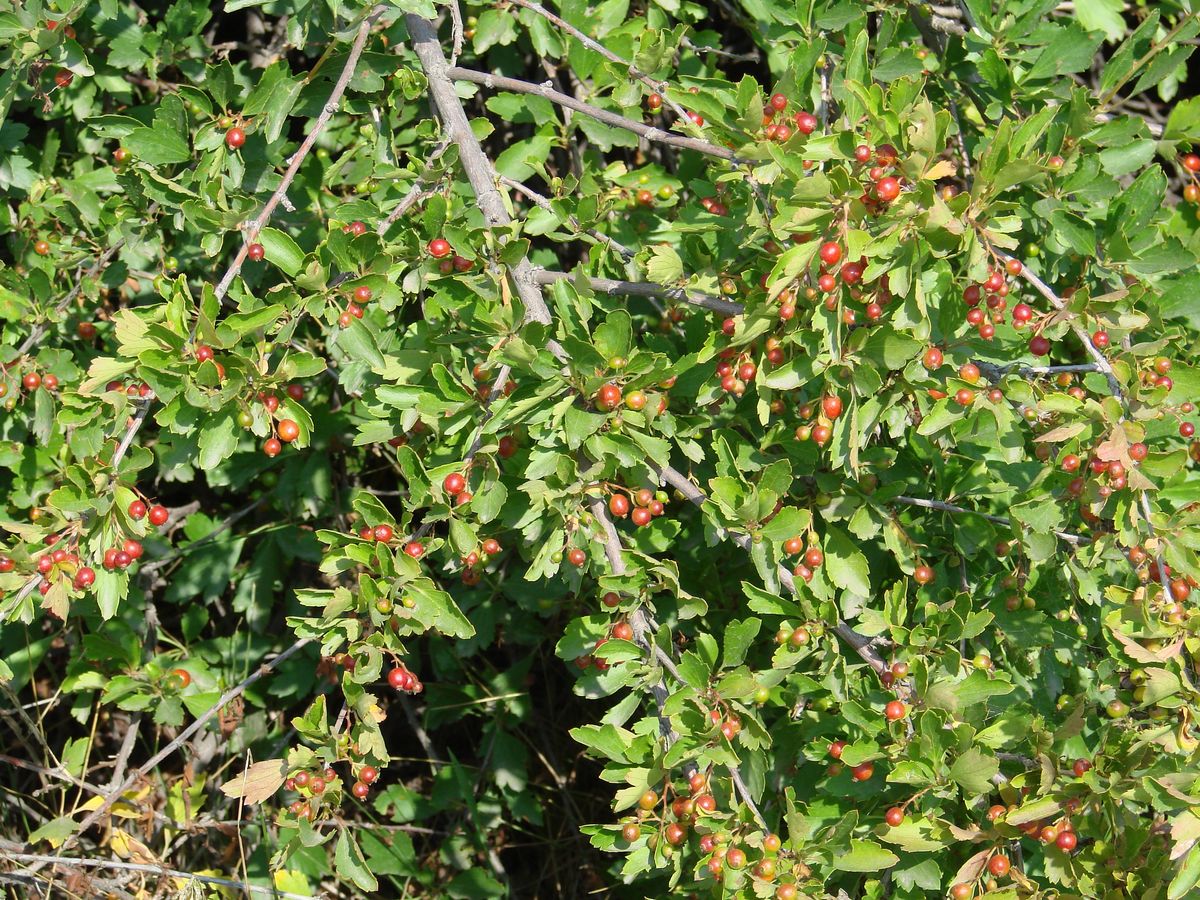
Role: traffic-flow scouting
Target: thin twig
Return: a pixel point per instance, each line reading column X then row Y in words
column 331, row 106
column 157, row 870
column 1103, row 365
column 638, row 621
column 1001, row 520
column 749, row 56
column 862, row 645
column 544, row 203
column 456, row 23
column 990, row 369
column 663, row 88
column 647, row 289
column 417, row 191
column 744, row 792
column 478, row 168
column 232, row 694
column 130, row 433
column 504, row 83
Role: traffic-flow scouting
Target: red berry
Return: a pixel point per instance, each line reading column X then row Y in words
column 830, row 253
column 922, row 574
column 862, row 772
column 831, row 405
column 1138, row 451
column 1187, row 429
column 85, row 577
column 1100, row 339
column 608, row 397
column 894, row 816
column 158, row 515
column 32, row 381
column 1039, row 345
column 806, row 122
column 836, row 748
column 1066, row 841
column 576, row 557
column 454, row 484
column 895, row 710
column 382, row 533
column 999, row 865
column 362, row 293
column 1191, row 162
column 933, row 358
column 654, row 101
column 235, row 138
column 256, row 252
column 415, row 549
column 137, row 509
column 360, row 790
column 778, row 102
column 439, row 247
column 887, row 189
column 272, row 447
column 63, row 77
column 618, row 505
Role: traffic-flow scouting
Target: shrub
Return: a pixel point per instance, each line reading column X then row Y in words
column 741, row 450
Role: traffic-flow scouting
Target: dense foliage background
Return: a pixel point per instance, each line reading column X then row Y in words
column 733, row 449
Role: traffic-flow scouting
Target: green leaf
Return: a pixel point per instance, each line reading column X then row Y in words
column 845, row 564
column 358, row 343
column 157, row 146
column 973, row 771
column 739, row 636
column 218, row 441
column 1033, row 811
column 865, row 856
column 281, row 250
column 665, row 266
column 1072, row 49
column 1186, row 878
column 349, row 862
column 615, row 336
column 273, row 98
column 54, row 831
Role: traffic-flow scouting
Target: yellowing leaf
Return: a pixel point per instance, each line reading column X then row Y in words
column 128, row 847
column 943, row 168
column 258, row 782
column 120, row 809
column 1136, row 651
column 1061, row 433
